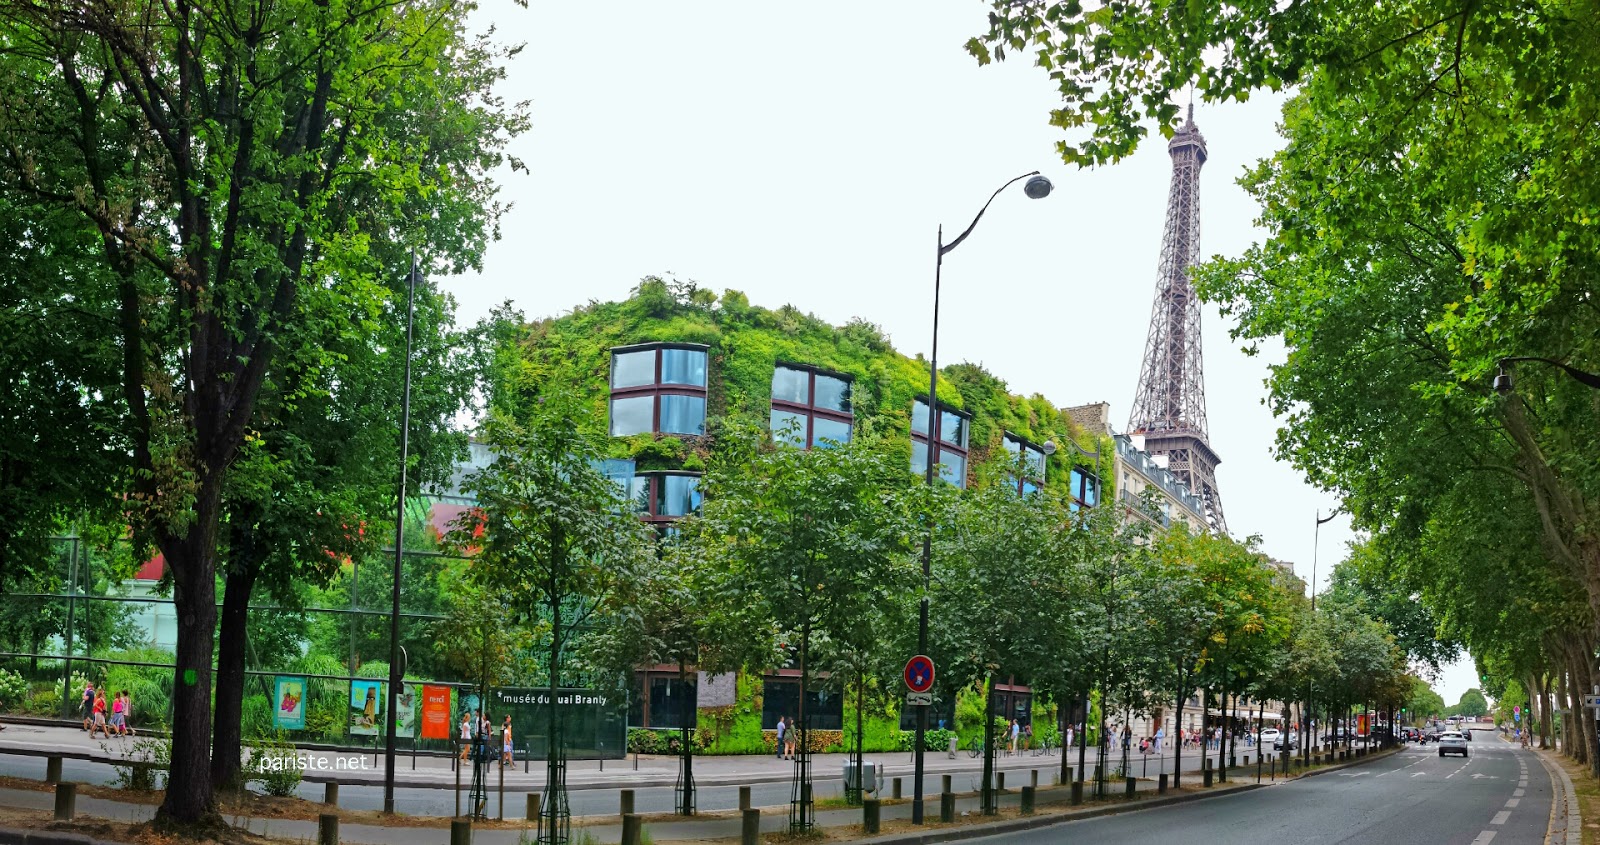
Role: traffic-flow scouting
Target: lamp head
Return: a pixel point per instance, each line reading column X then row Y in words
column 1049, row 448
column 1502, row 381
column 1037, row 187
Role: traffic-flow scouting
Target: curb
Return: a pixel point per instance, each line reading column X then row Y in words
column 1033, row 823
column 1566, row 826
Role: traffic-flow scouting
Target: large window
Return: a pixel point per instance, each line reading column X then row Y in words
column 950, row 432
column 1024, row 463
column 658, row 388
column 810, row 407
column 1085, row 488
column 780, row 697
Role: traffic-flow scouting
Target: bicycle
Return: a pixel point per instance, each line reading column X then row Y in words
column 975, row 747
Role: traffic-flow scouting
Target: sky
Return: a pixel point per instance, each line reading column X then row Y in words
column 807, row 154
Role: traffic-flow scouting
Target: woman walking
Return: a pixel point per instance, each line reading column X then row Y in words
column 99, row 723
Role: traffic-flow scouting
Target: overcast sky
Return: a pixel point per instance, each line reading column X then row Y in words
column 807, row 153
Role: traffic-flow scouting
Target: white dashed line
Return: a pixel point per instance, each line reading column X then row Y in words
column 1484, row 838
column 1519, row 793
column 1500, row 817
column 1512, row 802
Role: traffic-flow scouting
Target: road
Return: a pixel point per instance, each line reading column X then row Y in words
column 1499, row 793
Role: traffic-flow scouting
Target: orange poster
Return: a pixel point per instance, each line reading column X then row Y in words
column 435, row 712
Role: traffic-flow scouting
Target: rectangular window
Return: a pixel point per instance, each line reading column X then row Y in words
column 1025, row 462
column 953, row 467
column 825, row 431
column 632, row 415
column 809, row 407
column 952, row 435
column 791, row 385
column 952, row 428
column 683, row 414
column 833, row 394
column 677, row 495
column 789, row 428
column 1085, row 487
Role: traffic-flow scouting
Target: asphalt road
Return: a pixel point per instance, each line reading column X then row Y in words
column 1499, row 793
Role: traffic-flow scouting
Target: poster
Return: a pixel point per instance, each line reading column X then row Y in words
column 405, row 711
column 366, row 707
column 289, row 703
column 436, row 712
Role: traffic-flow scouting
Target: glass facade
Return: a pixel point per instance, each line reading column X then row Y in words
column 1026, row 463
column 683, row 366
column 810, row 407
column 632, row 415
column 1085, row 488
column 683, row 414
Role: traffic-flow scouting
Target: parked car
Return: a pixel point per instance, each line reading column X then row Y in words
column 1452, row 742
column 1270, row 736
column 1291, row 738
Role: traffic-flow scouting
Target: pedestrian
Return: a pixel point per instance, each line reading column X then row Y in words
column 781, row 728
column 127, row 712
column 505, row 739
column 1027, row 737
column 87, row 704
column 1161, row 733
column 1127, row 737
column 99, row 723
column 1015, row 729
column 466, row 734
column 1069, row 736
column 790, row 740
column 116, row 713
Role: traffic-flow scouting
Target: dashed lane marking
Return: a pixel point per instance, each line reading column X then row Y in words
column 1500, row 817
column 1484, row 838
column 1512, row 802
column 1519, row 793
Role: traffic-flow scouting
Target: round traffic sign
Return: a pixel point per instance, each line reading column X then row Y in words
column 919, row 673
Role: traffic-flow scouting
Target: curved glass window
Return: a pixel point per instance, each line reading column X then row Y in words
column 632, row 415
column 683, row 366
column 677, row 495
column 810, row 407
column 633, row 369
column 683, row 414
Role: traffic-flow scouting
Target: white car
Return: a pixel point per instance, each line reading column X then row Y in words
column 1452, row 742
column 1270, row 737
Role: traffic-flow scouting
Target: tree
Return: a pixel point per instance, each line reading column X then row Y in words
column 1367, row 582
column 558, row 541
column 1472, row 704
column 809, row 547
column 233, row 164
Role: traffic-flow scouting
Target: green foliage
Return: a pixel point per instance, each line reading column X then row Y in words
column 149, row 686
column 147, row 763
column 275, row 764
column 13, row 690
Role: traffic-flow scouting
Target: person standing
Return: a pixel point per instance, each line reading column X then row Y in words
column 1016, row 729
column 87, row 704
column 781, row 728
column 1161, row 733
column 505, row 740
column 466, row 734
column 789, row 737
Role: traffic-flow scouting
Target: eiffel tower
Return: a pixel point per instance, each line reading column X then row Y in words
column 1170, row 406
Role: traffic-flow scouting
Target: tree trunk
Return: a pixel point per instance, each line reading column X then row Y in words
column 192, row 561
column 232, row 637
column 989, row 805
column 1177, row 734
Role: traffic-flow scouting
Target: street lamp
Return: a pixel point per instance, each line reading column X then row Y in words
column 396, row 671
column 1503, row 383
column 1038, row 187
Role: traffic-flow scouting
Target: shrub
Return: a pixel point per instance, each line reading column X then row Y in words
column 13, row 690
column 44, row 702
column 275, row 765
column 147, row 761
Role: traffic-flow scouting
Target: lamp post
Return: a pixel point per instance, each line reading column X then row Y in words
column 1316, row 546
column 395, row 669
column 1038, row 187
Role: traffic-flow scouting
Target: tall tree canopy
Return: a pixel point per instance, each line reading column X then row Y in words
column 235, row 166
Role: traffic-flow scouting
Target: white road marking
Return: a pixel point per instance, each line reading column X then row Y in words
column 1480, row 775
column 1353, row 774
column 1484, row 838
column 1512, row 802
column 1519, row 793
column 1522, row 784
column 1500, row 817
column 1418, row 774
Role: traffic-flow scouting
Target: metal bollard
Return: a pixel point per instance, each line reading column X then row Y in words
column 1130, row 787
column 1033, row 778
column 627, row 802
column 327, row 829
column 1027, row 800
column 631, row 825
column 330, row 794
column 533, row 806
column 947, row 807
column 744, row 798
column 501, row 813
column 1206, row 777
column 52, row 770
column 750, row 827
column 458, row 791
column 948, row 781
column 897, row 793
column 1077, row 792
column 66, row 801
column 1069, row 776
column 870, row 815
column 999, row 781
column 460, row 832
column 1161, row 784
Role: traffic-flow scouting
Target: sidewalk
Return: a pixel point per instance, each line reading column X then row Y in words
column 636, row 771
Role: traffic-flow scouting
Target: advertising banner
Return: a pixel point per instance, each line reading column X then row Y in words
column 436, row 712
column 366, row 707
column 405, row 711
column 289, row 702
